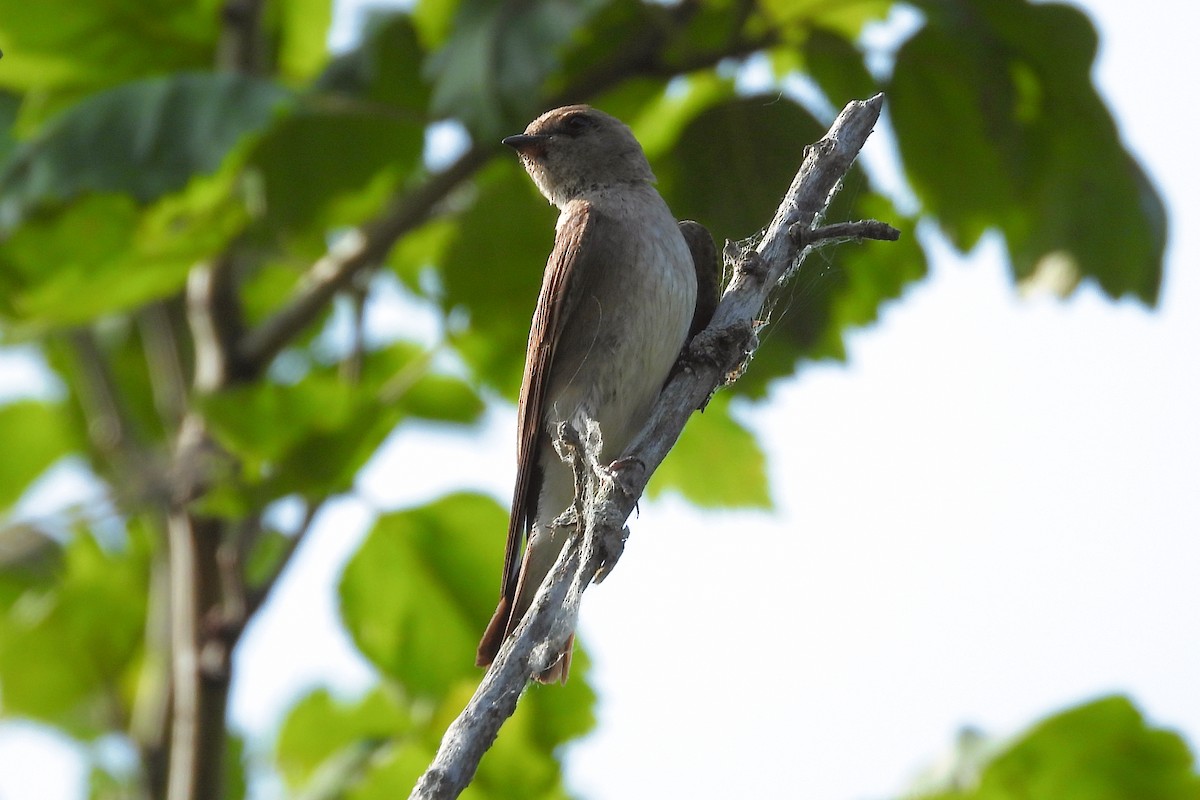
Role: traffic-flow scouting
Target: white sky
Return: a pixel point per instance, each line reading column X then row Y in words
column 989, row 514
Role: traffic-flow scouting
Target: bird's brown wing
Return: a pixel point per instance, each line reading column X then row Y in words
column 559, row 294
column 708, row 273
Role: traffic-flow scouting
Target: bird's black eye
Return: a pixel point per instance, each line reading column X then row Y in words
column 576, row 124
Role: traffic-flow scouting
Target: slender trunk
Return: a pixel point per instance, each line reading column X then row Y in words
column 202, row 638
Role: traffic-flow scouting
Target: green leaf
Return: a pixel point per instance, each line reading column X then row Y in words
column 836, row 64
column 34, row 436
column 515, row 766
column 353, row 160
column 612, row 30
column 416, row 598
column 303, row 28
column 49, row 268
column 443, row 399
column 797, row 17
column 68, row 648
column 320, row 732
column 407, row 384
column 263, row 422
column 434, row 20
column 761, row 136
column 1103, row 750
column 235, row 768
column 63, row 44
column 385, row 69
column 312, row 437
column 412, row 596
column 422, row 250
column 713, row 26
column 660, row 122
column 999, row 126
column 716, row 463
column 104, row 785
column 376, row 747
column 269, row 286
column 9, row 104
column 119, row 352
column 396, row 770
column 493, row 268
column 30, row 557
column 522, row 761
column 266, row 553
column 562, row 713
column 145, row 139
column 964, row 178
column 102, row 254
column 835, row 290
column 490, row 72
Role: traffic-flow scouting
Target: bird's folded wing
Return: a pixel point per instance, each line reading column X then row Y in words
column 560, row 293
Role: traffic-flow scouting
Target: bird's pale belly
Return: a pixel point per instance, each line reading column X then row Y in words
column 612, row 362
column 624, row 355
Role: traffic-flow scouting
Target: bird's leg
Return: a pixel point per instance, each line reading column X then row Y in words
column 581, row 451
column 591, row 489
column 622, row 467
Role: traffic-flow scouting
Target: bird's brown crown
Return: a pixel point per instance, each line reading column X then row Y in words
column 571, row 150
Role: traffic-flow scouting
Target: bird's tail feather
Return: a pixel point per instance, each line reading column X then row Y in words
column 501, row 624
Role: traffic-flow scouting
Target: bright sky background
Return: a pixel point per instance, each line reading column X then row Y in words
column 990, row 513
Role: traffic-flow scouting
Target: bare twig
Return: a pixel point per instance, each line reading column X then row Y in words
column 259, row 594
column 611, row 495
column 151, row 723
column 107, row 426
column 241, row 46
column 168, row 383
column 150, row 720
column 357, row 250
column 839, row 232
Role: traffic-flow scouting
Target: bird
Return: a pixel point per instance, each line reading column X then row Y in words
column 619, row 299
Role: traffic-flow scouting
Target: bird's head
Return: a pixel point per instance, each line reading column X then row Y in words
column 573, row 149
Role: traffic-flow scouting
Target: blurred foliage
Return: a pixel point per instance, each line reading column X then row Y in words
column 131, row 152
column 412, row 599
column 1012, row 81
column 1101, row 750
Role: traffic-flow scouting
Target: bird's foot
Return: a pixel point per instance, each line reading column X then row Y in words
column 624, row 472
column 567, row 521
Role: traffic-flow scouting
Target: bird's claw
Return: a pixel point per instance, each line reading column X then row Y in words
column 622, row 470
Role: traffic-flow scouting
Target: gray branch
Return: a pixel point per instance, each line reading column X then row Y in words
column 714, row 357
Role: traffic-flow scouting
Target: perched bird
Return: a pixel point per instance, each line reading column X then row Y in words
column 618, row 299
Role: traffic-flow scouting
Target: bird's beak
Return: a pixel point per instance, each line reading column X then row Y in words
column 527, row 143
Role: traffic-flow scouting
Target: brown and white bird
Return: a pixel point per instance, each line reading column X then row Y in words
column 618, row 299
